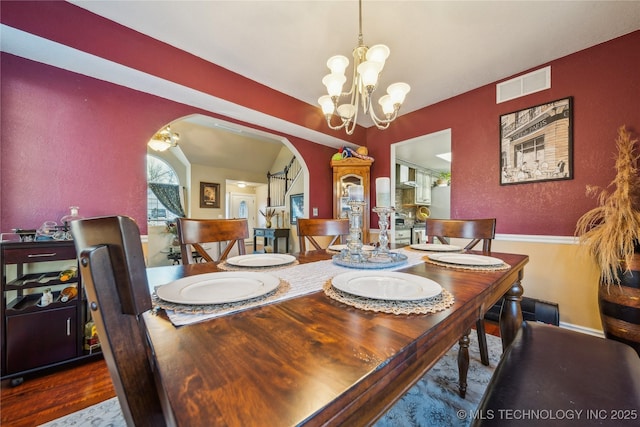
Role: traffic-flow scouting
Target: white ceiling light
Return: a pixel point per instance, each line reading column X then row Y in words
column 164, row 140
column 367, row 66
column 445, row 156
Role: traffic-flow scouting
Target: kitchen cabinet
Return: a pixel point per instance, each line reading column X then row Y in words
column 420, row 192
column 347, row 172
column 403, row 236
column 423, row 188
column 34, row 335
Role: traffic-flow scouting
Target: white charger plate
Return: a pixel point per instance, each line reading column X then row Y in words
column 260, row 260
column 466, row 259
column 434, row 247
column 218, row 288
column 386, row 285
column 338, row 248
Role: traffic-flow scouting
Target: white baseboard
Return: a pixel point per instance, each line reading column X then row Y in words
column 582, row 329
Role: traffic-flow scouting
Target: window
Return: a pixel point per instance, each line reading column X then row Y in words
column 159, row 171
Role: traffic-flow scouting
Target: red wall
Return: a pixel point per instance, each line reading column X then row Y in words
column 604, row 82
column 72, row 140
column 63, row 139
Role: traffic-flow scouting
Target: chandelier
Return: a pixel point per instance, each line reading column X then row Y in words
column 164, row 140
column 368, row 64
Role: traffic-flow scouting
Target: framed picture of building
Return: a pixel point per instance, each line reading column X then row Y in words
column 209, row 195
column 536, row 144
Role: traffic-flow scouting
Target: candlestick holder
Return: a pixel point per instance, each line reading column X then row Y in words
column 353, row 256
column 354, row 244
column 384, row 213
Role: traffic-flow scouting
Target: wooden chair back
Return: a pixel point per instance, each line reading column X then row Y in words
column 113, row 272
column 478, row 230
column 192, row 233
column 308, row 228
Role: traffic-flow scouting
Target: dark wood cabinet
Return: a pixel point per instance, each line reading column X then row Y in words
column 36, row 336
column 347, row 172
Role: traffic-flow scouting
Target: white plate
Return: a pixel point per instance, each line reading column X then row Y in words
column 466, row 259
column 386, row 285
column 433, row 247
column 218, row 288
column 261, row 260
column 338, row 248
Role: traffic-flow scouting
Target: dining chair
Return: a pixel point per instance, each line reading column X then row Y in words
column 478, row 230
column 113, row 271
column 195, row 232
column 309, row 228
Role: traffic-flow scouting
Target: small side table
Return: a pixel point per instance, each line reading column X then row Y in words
column 273, row 234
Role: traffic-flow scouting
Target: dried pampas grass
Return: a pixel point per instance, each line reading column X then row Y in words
column 610, row 232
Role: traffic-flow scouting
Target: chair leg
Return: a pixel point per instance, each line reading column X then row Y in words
column 482, row 342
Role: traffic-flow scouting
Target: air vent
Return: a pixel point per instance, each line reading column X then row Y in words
column 532, row 82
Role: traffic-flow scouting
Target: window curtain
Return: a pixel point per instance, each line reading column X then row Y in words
column 169, row 196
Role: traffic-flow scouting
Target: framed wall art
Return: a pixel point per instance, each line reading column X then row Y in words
column 536, row 144
column 209, row 195
column 296, row 207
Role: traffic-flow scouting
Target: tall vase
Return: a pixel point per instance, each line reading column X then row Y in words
column 620, row 305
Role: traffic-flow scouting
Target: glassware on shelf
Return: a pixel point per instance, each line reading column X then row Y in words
column 66, row 221
column 47, row 231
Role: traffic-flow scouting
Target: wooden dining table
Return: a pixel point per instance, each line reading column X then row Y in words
column 311, row 360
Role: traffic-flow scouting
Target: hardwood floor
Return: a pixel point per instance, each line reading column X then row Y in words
column 46, row 397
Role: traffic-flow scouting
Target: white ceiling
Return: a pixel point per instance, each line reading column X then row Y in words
column 441, row 48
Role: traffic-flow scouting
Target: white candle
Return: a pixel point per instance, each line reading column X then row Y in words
column 383, row 192
column 356, row 193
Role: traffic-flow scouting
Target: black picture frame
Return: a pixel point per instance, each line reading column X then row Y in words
column 209, row 195
column 296, row 207
column 536, row 144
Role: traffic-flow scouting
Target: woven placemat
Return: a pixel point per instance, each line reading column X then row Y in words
column 278, row 292
column 227, row 267
column 503, row 266
column 429, row 305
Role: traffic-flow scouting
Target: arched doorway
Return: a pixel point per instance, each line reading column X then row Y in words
column 214, row 151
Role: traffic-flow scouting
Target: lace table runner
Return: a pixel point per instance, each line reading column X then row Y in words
column 302, row 279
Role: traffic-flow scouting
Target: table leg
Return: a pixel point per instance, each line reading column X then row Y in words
column 255, row 242
column 463, row 363
column 511, row 313
column 275, row 245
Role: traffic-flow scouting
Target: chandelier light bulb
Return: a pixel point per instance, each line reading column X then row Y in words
column 346, row 111
column 387, row 104
column 334, row 83
column 327, row 104
column 338, row 64
column 164, row 139
column 398, row 91
column 369, row 71
column 159, row 145
column 378, row 53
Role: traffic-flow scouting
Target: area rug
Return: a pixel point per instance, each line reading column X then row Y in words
column 433, row 401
